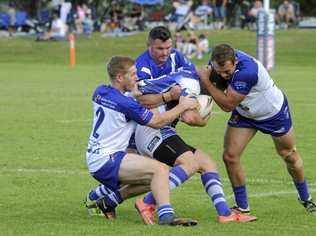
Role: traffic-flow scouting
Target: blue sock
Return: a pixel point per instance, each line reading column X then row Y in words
column 214, row 189
column 112, row 198
column 302, row 190
column 241, row 198
column 165, row 212
column 177, row 176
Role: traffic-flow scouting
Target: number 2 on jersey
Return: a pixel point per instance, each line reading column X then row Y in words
column 100, row 114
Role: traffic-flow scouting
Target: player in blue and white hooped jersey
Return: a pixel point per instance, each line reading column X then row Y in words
column 256, row 104
column 159, row 60
column 115, row 118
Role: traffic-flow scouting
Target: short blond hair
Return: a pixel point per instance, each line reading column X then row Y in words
column 117, row 65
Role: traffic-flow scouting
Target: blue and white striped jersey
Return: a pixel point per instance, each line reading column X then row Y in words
column 148, row 69
column 263, row 98
column 186, row 79
column 114, row 121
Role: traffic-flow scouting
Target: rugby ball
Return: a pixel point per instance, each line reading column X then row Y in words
column 205, row 105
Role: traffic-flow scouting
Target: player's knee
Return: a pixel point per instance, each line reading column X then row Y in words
column 161, row 168
column 230, row 158
column 288, row 154
column 291, row 157
column 206, row 164
column 189, row 163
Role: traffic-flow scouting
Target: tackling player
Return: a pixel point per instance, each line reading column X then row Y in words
column 115, row 117
column 256, row 104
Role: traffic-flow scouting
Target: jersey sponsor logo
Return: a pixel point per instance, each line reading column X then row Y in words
column 153, row 143
column 281, row 130
column 234, row 119
column 240, row 85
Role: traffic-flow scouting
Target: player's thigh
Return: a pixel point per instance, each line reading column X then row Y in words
column 236, row 139
column 285, row 142
column 173, row 150
column 136, row 169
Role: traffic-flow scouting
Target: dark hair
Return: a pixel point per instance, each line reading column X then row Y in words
column 202, row 36
column 118, row 64
column 159, row 32
column 223, row 53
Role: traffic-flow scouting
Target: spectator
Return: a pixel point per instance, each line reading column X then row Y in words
column 12, row 15
column 220, row 13
column 251, row 15
column 180, row 41
column 182, row 9
column 286, row 14
column 201, row 15
column 65, row 10
column 57, row 31
column 81, row 15
column 203, row 46
column 203, row 11
column 190, row 47
column 182, row 14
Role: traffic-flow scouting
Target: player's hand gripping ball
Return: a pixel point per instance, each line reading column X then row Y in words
column 205, row 105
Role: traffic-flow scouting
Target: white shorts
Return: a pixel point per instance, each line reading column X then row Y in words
column 147, row 140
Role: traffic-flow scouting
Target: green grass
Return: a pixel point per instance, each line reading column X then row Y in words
column 46, row 119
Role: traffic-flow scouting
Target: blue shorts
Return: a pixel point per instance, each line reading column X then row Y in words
column 108, row 174
column 277, row 126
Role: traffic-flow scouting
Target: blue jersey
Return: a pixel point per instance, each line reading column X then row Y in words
column 263, row 99
column 115, row 119
column 148, row 69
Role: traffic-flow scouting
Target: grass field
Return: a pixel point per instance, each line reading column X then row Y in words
column 45, row 123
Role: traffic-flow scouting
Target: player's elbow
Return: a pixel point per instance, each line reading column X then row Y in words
column 227, row 107
column 194, row 121
column 192, row 118
column 157, row 121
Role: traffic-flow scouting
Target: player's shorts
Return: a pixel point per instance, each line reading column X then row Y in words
column 152, row 143
column 170, row 149
column 108, row 174
column 278, row 125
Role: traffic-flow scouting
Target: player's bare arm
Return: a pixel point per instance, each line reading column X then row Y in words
column 228, row 100
column 155, row 100
column 161, row 119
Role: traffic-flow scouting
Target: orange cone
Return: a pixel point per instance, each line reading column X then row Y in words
column 72, row 50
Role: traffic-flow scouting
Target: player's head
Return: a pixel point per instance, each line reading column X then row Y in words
column 159, row 44
column 122, row 72
column 224, row 60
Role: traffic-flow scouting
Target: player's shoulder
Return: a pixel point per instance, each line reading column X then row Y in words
column 143, row 58
column 108, row 96
column 247, row 65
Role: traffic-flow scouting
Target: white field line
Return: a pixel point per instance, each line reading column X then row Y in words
column 4, row 170
column 85, row 172
column 271, row 194
column 73, row 121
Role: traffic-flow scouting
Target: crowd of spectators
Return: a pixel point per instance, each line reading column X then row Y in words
column 58, row 17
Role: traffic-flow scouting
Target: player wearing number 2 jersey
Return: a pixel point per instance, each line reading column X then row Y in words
column 115, row 118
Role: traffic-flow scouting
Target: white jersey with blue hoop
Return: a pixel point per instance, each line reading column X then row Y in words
column 115, row 119
column 186, row 79
column 263, row 98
